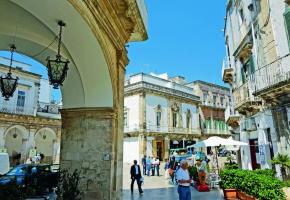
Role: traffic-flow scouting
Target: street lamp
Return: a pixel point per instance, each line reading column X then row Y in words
column 8, row 83
column 57, row 69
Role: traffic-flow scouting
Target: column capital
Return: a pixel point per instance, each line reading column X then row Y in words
column 99, row 112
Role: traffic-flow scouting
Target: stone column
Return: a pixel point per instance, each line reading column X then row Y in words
column 89, row 143
column 166, row 147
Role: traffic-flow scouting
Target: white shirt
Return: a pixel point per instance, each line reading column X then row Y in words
column 136, row 169
column 182, row 174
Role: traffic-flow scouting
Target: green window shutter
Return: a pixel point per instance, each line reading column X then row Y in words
column 287, row 24
column 252, row 65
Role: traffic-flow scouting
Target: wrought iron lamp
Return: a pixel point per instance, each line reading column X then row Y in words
column 8, row 83
column 57, row 69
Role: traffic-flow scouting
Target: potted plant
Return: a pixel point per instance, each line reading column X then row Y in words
column 284, row 162
column 228, row 185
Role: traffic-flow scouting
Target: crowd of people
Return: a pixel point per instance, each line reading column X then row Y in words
column 151, row 166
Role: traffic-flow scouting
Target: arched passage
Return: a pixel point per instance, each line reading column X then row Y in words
column 45, row 139
column 92, row 94
column 15, row 138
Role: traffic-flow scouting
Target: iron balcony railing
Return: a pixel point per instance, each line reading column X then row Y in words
column 19, row 110
column 215, row 131
column 162, row 129
column 271, row 75
column 243, row 94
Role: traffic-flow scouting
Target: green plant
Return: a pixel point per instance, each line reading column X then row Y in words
column 193, row 172
column 68, row 185
column 260, row 184
column 284, row 162
column 231, row 165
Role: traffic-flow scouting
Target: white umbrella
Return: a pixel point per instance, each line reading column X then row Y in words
column 217, row 141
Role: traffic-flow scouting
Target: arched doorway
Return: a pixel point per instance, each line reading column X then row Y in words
column 45, row 139
column 15, row 139
column 92, row 94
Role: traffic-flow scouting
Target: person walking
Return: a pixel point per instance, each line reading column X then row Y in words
column 136, row 175
column 172, row 168
column 184, row 181
column 144, row 164
column 153, row 166
column 148, row 165
column 157, row 165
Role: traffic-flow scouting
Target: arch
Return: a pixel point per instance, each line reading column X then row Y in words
column 45, row 141
column 23, row 130
column 49, row 130
column 88, row 83
column 15, row 142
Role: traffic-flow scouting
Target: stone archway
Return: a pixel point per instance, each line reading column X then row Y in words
column 45, row 139
column 92, row 93
column 15, row 138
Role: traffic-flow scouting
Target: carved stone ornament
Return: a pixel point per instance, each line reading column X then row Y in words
column 175, row 107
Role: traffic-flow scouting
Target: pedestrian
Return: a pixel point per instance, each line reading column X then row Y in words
column 144, row 164
column 148, row 165
column 184, row 181
column 153, row 166
column 136, row 175
column 172, row 167
column 157, row 165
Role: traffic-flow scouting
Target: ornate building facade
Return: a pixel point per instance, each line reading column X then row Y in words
column 24, row 125
column 257, row 69
column 160, row 113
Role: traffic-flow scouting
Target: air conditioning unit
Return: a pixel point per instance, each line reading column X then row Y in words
column 250, row 124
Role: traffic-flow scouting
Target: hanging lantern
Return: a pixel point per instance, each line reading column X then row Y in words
column 57, row 68
column 8, row 83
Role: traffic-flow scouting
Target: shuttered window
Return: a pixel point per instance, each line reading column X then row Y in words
column 287, row 24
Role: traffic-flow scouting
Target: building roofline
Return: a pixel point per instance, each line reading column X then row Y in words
column 210, row 84
column 17, row 69
column 155, row 77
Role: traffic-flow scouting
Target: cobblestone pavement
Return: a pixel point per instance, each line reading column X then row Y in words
column 159, row 188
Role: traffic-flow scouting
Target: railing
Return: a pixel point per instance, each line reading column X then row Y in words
column 243, row 94
column 162, row 129
column 271, row 74
column 53, row 109
column 215, row 131
column 19, row 110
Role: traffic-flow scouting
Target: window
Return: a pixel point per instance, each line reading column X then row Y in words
column 222, row 101
column 188, row 119
column 125, row 119
column 214, row 100
column 205, row 97
column 20, row 100
column 287, row 24
column 158, row 118
column 174, row 119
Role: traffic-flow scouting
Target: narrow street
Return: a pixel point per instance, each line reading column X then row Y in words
column 159, row 188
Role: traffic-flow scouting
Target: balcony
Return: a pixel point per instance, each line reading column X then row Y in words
column 232, row 118
column 18, row 110
column 161, row 129
column 272, row 82
column 215, row 131
column 245, row 102
column 227, row 72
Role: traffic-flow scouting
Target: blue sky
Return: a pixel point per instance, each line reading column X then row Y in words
column 185, row 38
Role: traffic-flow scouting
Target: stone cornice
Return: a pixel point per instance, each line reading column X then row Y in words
column 160, row 90
column 100, row 112
column 118, row 19
column 29, row 120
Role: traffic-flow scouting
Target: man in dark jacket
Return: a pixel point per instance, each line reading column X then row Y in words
column 136, row 175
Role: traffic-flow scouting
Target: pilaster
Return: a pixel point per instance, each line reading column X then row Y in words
column 89, row 143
